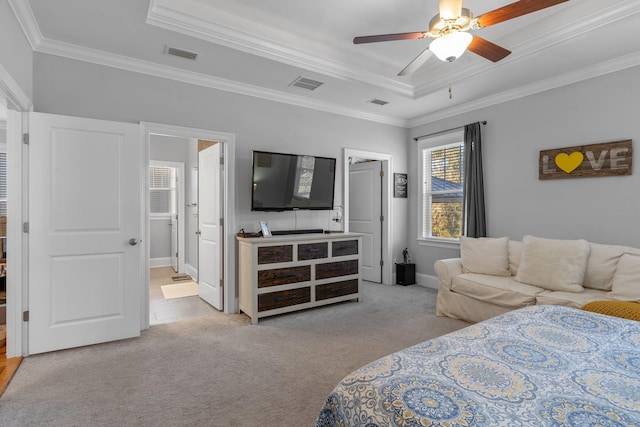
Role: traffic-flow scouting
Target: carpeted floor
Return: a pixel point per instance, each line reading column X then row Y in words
column 218, row 370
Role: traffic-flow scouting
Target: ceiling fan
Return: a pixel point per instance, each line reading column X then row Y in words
column 450, row 31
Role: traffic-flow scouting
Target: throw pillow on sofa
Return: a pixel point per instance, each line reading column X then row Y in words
column 556, row 265
column 626, row 280
column 485, row 255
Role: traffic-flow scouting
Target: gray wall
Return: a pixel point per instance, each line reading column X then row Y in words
column 603, row 210
column 16, row 55
column 69, row 87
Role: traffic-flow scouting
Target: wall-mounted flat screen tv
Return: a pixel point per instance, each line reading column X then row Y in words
column 283, row 182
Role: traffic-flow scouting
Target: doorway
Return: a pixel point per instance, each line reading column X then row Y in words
column 365, row 213
column 190, row 141
column 384, row 162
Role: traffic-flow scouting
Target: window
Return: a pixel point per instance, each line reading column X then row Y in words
column 162, row 190
column 442, row 192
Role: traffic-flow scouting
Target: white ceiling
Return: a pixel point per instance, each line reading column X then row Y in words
column 258, row 47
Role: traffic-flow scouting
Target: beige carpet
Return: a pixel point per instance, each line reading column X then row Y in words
column 218, row 370
column 179, row 290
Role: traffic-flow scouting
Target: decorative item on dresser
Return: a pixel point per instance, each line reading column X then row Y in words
column 281, row 274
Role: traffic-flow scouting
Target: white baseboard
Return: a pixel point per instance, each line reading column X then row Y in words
column 427, row 280
column 160, row 262
column 191, row 271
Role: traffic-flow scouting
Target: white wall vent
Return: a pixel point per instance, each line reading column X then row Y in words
column 378, row 101
column 305, row 83
column 181, row 53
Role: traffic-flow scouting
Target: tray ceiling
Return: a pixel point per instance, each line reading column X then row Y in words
column 260, row 47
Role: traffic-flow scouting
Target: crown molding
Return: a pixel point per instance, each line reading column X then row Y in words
column 98, row 57
column 27, row 21
column 177, row 21
column 10, row 89
column 597, row 70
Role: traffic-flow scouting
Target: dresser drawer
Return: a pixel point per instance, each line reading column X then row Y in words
column 273, row 254
column 347, row 247
column 274, row 300
column 336, row 269
column 338, row 289
column 283, row 276
column 313, row 251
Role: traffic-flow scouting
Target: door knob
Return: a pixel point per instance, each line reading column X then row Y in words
column 134, row 242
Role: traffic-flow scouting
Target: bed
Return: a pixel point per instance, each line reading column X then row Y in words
column 537, row 366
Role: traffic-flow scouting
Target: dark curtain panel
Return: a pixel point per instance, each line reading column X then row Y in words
column 474, row 213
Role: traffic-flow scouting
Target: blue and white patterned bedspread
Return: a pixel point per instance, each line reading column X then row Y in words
column 537, row 366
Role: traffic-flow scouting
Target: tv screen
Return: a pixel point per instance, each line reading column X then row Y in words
column 284, row 182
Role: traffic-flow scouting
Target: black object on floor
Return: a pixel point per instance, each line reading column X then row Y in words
column 405, row 274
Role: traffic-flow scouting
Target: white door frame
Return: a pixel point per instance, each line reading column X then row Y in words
column 181, row 189
column 387, row 184
column 228, row 211
column 17, row 102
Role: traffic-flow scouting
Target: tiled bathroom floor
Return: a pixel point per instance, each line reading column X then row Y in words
column 169, row 310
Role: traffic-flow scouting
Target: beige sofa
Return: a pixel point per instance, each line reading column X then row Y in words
column 494, row 276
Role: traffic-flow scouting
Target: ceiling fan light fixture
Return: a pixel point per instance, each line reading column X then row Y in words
column 451, row 46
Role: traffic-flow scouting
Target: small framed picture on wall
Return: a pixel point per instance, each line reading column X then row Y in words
column 400, row 185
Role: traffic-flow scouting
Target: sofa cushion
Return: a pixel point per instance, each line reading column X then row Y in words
column 601, row 266
column 515, row 252
column 485, row 255
column 556, row 265
column 626, row 280
column 498, row 290
column 570, row 299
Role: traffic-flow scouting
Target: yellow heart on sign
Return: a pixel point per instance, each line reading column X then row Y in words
column 569, row 162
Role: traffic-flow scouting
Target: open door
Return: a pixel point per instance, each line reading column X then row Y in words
column 365, row 213
column 174, row 242
column 209, row 228
column 85, row 254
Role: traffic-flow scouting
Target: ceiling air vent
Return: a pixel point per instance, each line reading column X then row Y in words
column 378, row 101
column 306, row 83
column 182, row 53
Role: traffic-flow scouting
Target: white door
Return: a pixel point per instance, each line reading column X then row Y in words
column 365, row 211
column 209, row 242
column 85, row 265
column 174, row 241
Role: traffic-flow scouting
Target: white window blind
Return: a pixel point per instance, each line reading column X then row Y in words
column 442, row 191
column 3, row 184
column 162, row 190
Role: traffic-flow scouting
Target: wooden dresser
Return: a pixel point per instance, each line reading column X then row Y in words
column 281, row 274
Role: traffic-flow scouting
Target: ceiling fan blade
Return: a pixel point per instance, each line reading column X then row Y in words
column 450, row 9
column 513, row 10
column 417, row 62
column 488, row 50
column 389, row 37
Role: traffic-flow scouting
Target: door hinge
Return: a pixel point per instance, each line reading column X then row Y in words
column 25, row 138
column 221, row 160
column 381, row 218
column 381, row 173
column 176, row 254
column 25, row 227
column 222, row 221
column 381, row 263
column 25, row 316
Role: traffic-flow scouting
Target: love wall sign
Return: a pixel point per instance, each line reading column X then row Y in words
column 608, row 159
